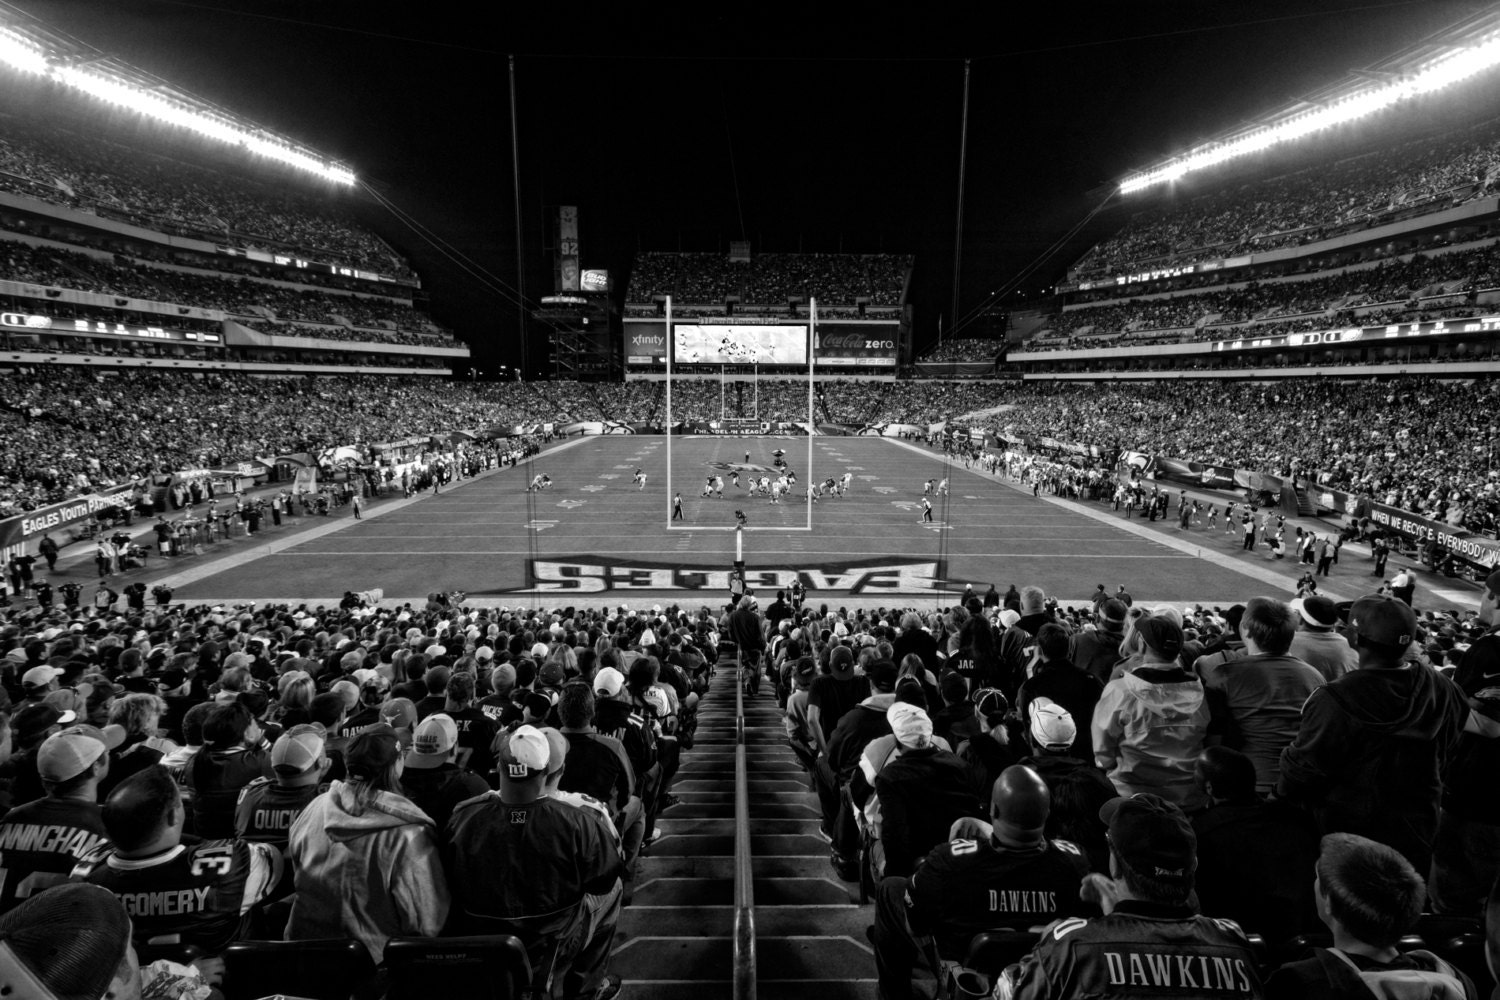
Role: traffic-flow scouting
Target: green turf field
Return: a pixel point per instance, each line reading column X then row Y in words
column 596, row 537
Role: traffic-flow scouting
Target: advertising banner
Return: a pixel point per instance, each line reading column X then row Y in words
column 16, row 532
column 848, row 347
column 1477, row 549
column 645, row 343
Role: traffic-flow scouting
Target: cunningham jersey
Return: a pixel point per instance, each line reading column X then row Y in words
column 41, row 841
column 1141, row 951
column 198, row 895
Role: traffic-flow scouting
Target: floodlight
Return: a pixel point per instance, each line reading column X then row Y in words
column 1445, row 70
column 20, row 54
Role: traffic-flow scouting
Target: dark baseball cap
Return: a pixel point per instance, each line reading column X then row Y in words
column 371, row 752
column 1153, row 837
column 1383, row 619
column 1161, row 634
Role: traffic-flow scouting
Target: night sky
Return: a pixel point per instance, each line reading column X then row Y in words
column 808, row 127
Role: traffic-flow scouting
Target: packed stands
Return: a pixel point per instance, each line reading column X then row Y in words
column 694, row 279
column 1313, row 204
column 55, row 165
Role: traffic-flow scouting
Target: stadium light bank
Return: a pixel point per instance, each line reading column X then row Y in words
column 1450, row 68
column 24, row 55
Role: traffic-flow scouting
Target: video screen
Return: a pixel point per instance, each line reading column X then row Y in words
column 732, row 344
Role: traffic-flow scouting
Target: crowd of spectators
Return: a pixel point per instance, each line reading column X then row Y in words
column 769, row 278
column 74, row 431
column 1399, row 290
column 1312, row 204
column 1107, row 764
column 965, row 349
column 93, row 173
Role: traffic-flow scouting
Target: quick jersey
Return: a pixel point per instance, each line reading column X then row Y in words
column 266, row 811
column 968, row 886
column 1140, row 952
column 198, row 895
column 41, row 841
column 566, row 853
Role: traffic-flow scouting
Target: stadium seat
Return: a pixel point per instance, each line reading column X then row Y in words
column 992, row 951
column 488, row 967
column 318, row 970
column 1466, row 952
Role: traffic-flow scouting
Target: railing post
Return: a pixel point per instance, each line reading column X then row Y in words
column 744, row 895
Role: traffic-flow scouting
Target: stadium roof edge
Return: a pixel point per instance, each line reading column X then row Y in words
column 64, row 52
column 1482, row 26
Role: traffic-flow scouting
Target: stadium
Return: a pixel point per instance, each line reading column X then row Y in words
column 711, row 511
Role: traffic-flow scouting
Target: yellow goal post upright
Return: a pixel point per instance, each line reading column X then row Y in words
column 810, row 343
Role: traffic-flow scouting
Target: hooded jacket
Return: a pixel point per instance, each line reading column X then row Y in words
column 1369, row 752
column 1148, row 731
column 365, row 869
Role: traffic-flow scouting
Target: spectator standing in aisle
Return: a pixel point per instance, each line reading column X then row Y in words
column 1371, row 745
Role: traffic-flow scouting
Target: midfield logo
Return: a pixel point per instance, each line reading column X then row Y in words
column 597, row 575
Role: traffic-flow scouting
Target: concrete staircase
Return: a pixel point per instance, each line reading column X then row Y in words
column 676, row 936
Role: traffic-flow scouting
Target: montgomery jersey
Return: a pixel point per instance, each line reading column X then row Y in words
column 266, row 810
column 198, row 895
column 1143, row 951
column 41, row 841
column 568, row 853
column 968, row 886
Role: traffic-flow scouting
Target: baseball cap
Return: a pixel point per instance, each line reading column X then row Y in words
column 1009, row 617
column 539, row 650
column 298, row 750
column 399, row 713
column 1161, row 634
column 68, row 753
column 608, row 682
column 435, row 737
column 68, row 941
column 40, row 677
column 882, row 674
column 32, row 722
column 557, row 749
column 1052, row 725
column 551, row 675
column 1153, row 837
column 1114, row 610
column 523, row 753
column 371, row 752
column 1383, row 619
column 1318, row 611
column 990, row 701
column 910, row 724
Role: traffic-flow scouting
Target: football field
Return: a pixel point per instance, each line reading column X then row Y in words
column 596, row 536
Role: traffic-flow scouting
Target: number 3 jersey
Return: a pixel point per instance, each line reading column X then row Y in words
column 197, row 895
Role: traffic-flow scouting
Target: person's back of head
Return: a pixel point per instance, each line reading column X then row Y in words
column 1052, row 642
column 327, row 710
column 75, row 940
column 460, row 691
column 142, row 809
column 953, row 687
column 1382, row 628
column 226, row 725
column 1033, row 600
column 1019, row 804
column 1367, row 889
column 1227, row 775
column 575, row 706
column 1269, row 624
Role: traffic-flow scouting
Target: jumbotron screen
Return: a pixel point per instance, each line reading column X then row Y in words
column 734, row 344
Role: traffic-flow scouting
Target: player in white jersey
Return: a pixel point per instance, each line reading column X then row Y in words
column 777, row 488
column 538, row 483
column 845, row 483
column 719, row 487
column 943, row 488
column 640, row 479
column 814, row 491
column 764, row 485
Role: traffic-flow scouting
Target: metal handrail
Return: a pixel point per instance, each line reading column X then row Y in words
column 744, row 893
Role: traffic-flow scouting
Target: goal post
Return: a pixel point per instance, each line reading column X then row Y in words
column 809, row 339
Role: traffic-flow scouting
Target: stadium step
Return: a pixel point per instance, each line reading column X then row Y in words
column 675, row 939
